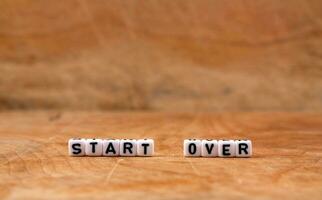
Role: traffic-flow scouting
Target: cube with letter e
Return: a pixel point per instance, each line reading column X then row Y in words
column 226, row 148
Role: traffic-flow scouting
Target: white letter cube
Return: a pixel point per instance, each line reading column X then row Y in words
column 244, row 148
column 209, row 148
column 226, row 148
column 76, row 147
column 128, row 147
column 111, row 147
column 94, row 147
column 145, row 147
column 192, row 147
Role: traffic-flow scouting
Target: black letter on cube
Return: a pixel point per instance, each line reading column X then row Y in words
column 76, row 148
column 127, row 146
column 110, row 149
column 192, row 148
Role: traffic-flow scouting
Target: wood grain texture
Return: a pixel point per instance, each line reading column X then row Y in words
column 286, row 164
column 161, row 55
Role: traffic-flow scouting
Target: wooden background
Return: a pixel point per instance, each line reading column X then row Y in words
column 68, row 69
column 161, row 55
column 34, row 161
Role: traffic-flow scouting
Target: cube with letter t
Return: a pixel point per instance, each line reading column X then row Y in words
column 94, row 147
column 145, row 147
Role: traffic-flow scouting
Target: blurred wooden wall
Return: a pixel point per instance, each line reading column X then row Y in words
column 172, row 55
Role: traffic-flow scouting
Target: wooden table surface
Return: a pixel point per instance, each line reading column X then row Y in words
column 34, row 163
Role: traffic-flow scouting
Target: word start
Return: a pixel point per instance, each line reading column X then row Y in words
column 110, row 147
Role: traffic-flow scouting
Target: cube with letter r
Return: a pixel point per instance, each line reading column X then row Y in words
column 244, row 148
column 128, row 147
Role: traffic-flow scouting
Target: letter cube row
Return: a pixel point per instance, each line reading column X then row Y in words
column 214, row 148
column 110, row 147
